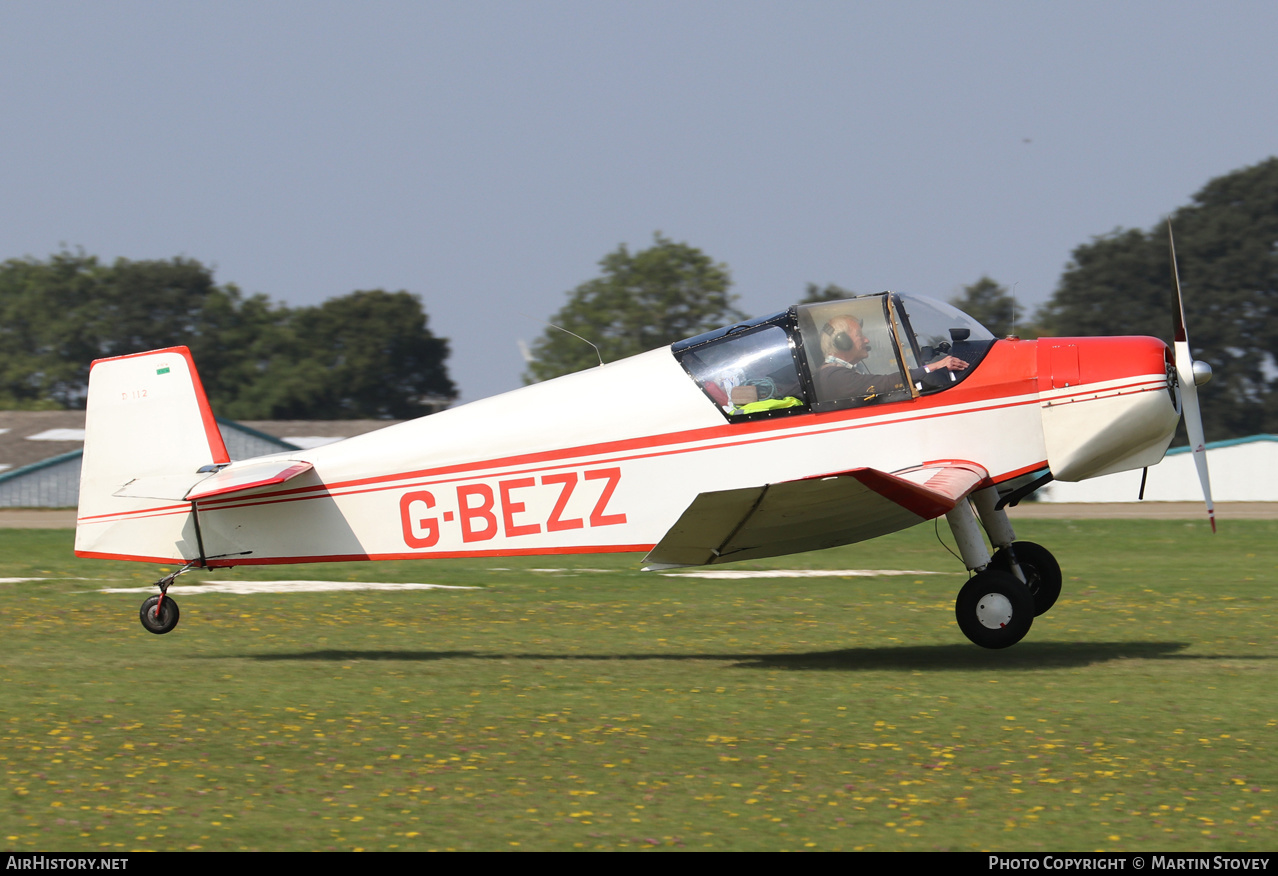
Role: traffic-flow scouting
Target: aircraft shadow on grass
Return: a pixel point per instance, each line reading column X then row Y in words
column 1037, row 655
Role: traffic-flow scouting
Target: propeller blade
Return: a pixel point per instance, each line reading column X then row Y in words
column 1194, row 426
column 1178, row 312
column 1189, row 387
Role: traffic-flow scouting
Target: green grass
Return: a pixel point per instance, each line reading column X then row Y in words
column 603, row 708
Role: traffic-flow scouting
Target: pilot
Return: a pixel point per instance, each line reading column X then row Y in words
column 844, row 375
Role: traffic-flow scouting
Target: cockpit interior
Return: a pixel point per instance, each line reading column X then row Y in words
column 833, row 355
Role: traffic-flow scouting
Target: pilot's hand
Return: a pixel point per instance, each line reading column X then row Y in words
column 949, row 363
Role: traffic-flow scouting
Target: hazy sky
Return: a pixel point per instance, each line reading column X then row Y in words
column 486, row 155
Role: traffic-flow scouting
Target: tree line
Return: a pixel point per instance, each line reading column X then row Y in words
column 369, row 354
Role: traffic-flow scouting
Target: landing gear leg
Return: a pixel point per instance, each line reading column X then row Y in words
column 1030, row 562
column 159, row 614
column 994, row 609
column 997, row 525
column 968, row 535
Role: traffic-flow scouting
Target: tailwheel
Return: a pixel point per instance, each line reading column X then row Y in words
column 1042, row 572
column 994, row 609
column 159, row 614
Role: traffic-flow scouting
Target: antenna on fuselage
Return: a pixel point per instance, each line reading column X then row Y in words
column 598, row 355
column 1014, row 285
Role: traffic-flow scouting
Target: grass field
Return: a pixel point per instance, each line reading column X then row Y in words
column 593, row 706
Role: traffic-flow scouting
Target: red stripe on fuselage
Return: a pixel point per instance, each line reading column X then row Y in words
column 571, row 457
column 229, row 563
column 1008, row 374
column 567, row 458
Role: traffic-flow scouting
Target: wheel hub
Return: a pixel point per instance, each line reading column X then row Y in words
column 994, row 611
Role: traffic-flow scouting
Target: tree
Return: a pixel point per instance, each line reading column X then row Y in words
column 56, row 317
column 368, row 354
column 35, row 331
column 990, row 304
column 1227, row 249
column 364, row 355
column 643, row 300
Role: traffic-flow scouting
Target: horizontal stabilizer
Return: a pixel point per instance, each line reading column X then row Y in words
column 249, row 476
column 811, row 514
column 237, row 478
column 171, row 488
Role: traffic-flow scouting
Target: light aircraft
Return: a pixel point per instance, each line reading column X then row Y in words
column 820, row 425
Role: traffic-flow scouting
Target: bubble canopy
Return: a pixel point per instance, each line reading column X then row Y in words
column 832, row 355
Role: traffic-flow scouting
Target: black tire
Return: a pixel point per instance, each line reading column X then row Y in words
column 162, row 622
column 994, row 609
column 1042, row 572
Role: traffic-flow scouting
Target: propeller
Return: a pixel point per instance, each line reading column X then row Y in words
column 1190, row 375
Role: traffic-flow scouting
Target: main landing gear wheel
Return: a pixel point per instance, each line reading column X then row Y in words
column 159, row 618
column 994, row 609
column 1042, row 572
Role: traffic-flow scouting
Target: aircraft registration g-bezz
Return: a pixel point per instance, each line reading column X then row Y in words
column 820, row 425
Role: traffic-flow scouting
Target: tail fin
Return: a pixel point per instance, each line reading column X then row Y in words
column 148, row 431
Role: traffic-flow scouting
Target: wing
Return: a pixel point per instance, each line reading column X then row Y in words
column 811, row 514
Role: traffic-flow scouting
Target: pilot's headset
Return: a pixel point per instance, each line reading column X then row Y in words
column 839, row 340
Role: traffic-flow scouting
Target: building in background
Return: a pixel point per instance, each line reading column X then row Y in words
column 1242, row 470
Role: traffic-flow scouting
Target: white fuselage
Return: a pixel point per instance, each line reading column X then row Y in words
column 608, row 459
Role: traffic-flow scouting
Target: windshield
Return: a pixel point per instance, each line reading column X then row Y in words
column 933, row 330
column 852, row 352
column 877, row 348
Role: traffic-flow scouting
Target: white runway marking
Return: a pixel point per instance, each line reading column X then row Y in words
column 249, row 587
column 803, row 573
column 504, row 569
